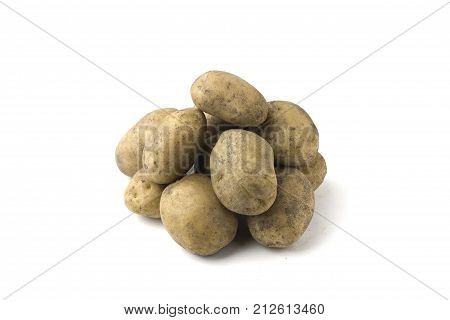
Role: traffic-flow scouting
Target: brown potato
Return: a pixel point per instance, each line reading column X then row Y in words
column 194, row 217
column 291, row 133
column 315, row 171
column 290, row 214
column 242, row 172
column 229, row 98
column 172, row 151
column 129, row 150
column 142, row 195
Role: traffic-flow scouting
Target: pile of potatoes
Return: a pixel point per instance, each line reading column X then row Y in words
column 233, row 154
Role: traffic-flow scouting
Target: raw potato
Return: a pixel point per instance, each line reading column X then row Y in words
column 129, row 150
column 171, row 153
column 291, row 133
column 194, row 217
column 242, row 172
column 229, row 98
column 315, row 171
column 142, row 195
column 289, row 216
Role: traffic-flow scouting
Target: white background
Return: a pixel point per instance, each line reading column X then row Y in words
column 384, row 129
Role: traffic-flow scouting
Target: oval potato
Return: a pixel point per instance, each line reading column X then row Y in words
column 172, row 151
column 229, row 98
column 291, row 133
column 290, row 214
column 142, row 196
column 130, row 148
column 194, row 217
column 242, row 172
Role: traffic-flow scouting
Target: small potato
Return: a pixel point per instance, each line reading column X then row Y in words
column 129, row 150
column 171, row 152
column 142, row 195
column 194, row 217
column 315, row 171
column 291, row 133
column 289, row 216
column 229, row 98
column 242, row 172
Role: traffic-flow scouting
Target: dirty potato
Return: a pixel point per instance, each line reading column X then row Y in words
column 129, row 150
column 171, row 152
column 291, row 133
column 194, row 217
column 290, row 214
column 242, row 172
column 142, row 195
column 229, row 98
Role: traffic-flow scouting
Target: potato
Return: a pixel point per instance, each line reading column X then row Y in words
column 289, row 216
column 129, row 150
column 229, row 98
column 194, row 217
column 171, row 152
column 315, row 171
column 242, row 172
column 291, row 133
column 142, row 195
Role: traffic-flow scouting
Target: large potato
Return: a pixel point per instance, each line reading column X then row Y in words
column 289, row 216
column 129, row 150
column 142, row 195
column 291, row 133
column 242, row 172
column 229, row 98
column 194, row 217
column 315, row 171
column 171, row 152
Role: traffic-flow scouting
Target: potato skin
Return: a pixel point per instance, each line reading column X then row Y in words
column 171, row 152
column 315, row 171
column 242, row 172
column 194, row 217
column 290, row 214
column 291, row 133
column 142, row 196
column 229, row 98
column 129, row 150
